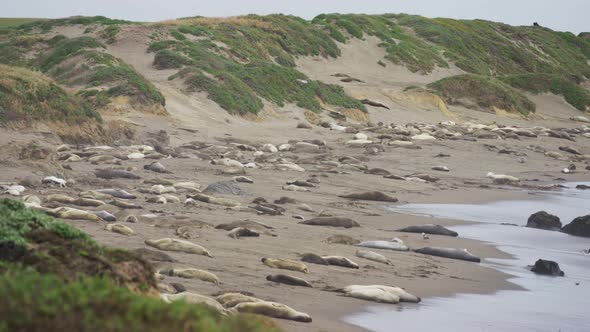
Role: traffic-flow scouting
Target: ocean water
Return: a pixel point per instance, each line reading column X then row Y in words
column 549, row 304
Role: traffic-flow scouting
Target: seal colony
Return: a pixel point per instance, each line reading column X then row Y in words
column 247, row 226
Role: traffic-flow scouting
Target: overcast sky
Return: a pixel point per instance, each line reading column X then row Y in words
column 564, row 15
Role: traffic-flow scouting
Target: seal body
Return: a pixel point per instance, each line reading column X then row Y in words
column 313, row 258
column 285, row 264
column 380, row 244
column 178, row 245
column 341, row 261
column 331, row 221
column 371, row 196
column 230, row 300
column 449, row 253
column 272, row 309
column 380, row 293
column 373, row 256
column 289, row 280
column 429, row 229
column 190, row 273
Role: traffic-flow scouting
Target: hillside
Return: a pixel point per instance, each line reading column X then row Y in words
column 249, row 64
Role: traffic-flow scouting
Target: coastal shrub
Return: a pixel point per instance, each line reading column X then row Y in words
column 177, row 35
column 110, row 33
column 28, row 96
column 167, row 59
column 573, row 93
column 128, row 82
column 48, row 25
column 65, row 48
column 486, row 92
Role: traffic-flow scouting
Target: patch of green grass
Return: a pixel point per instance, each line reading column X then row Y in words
column 28, row 96
column 47, row 25
column 110, row 33
column 127, row 82
column 177, row 35
column 43, row 302
column 168, row 59
column 16, row 21
column 573, row 93
column 16, row 222
column 66, row 48
column 486, row 92
column 401, row 47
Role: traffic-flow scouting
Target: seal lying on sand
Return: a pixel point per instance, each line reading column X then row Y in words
column 195, row 299
column 373, row 256
column 380, row 244
column 190, row 273
column 371, row 196
column 119, row 228
column 341, row 261
column 229, row 300
column 238, row 232
column 289, row 280
column 449, row 253
column 115, row 174
column 178, row 245
column 380, row 293
column 429, row 229
column 331, row 221
column 313, row 258
column 118, row 193
column 285, row 264
column 342, row 239
column 272, row 309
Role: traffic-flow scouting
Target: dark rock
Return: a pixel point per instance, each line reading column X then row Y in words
column 543, row 220
column 582, row 187
column 547, row 268
column 579, row 227
column 10, row 251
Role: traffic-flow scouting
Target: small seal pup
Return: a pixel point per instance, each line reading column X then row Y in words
column 285, row 264
column 272, row 309
column 119, row 228
column 178, row 245
column 289, row 280
column 373, row 256
column 341, row 261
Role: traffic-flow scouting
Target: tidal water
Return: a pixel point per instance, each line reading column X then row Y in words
column 550, row 304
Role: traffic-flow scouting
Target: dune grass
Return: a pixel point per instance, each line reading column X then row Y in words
column 6, row 22
column 485, row 91
column 29, row 96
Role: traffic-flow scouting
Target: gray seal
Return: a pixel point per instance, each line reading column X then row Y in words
column 449, row 253
column 288, row 280
column 429, row 229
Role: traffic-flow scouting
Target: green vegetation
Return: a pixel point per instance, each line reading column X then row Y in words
column 401, row 47
column 28, row 96
column 486, row 92
column 167, row 59
column 47, row 25
column 573, row 93
column 66, row 48
column 58, row 279
column 16, row 21
column 110, row 33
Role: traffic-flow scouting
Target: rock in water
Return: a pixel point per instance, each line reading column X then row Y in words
column 547, row 268
column 544, row 220
column 579, row 227
column 371, row 196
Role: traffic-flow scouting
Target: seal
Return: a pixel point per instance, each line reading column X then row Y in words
column 272, row 309
column 371, row 196
column 342, row 239
column 195, row 299
column 289, row 280
column 215, row 200
column 117, row 193
column 380, row 244
column 156, row 167
column 285, row 264
column 341, row 261
column 115, row 174
column 380, row 293
column 449, row 253
column 190, row 273
column 373, row 256
column 125, row 205
column 230, row 300
column 71, row 213
column 331, row 221
column 153, row 255
column 169, row 244
column 238, row 232
column 313, row 258
column 119, row 228
column 74, row 201
column 429, row 229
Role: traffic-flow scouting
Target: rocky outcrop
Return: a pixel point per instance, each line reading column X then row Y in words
column 544, row 220
column 579, row 227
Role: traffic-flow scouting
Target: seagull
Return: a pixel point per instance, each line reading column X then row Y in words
column 424, row 236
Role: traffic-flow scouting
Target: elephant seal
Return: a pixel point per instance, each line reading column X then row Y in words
column 252, row 225
column 119, row 228
column 289, row 280
column 272, row 309
column 371, row 196
column 313, row 258
column 373, row 256
column 115, row 174
column 285, row 264
column 449, row 253
column 125, row 205
column 429, row 229
column 341, row 261
column 215, row 200
column 106, row 216
column 331, row 221
column 230, row 300
column 190, row 273
column 238, row 232
column 380, row 244
column 342, row 239
column 74, row 201
column 71, row 213
column 117, row 193
column 195, row 299
column 380, row 293
column 153, row 255
column 169, row 244
column 156, row 167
